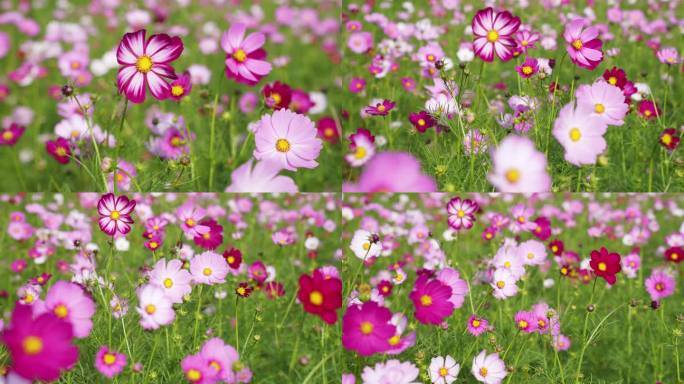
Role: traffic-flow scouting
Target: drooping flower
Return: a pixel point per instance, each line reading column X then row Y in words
column 288, row 139
column 320, row 296
column 519, row 167
column 145, row 64
column 208, row 268
column 367, row 329
column 489, row 369
column 583, row 45
column 461, row 213
column 493, row 34
column 40, row 347
column 605, row 264
column 580, row 132
column 431, row 299
column 108, row 362
column 69, row 302
column 172, row 278
column 443, row 370
column 660, row 285
column 154, row 307
column 59, row 149
column 604, row 101
column 115, row 214
column 245, row 57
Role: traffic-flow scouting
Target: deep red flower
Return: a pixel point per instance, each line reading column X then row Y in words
column 669, row 139
column 320, row 296
column 233, row 257
column 211, row 239
column 615, row 76
column 543, row 230
column 421, row 121
column 59, row 149
column 277, row 95
column 648, row 109
column 385, row 288
column 557, row 247
column 328, row 129
column 674, row 254
column 605, row 264
column 244, row 290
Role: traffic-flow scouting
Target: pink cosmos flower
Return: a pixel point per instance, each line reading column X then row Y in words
column 459, row 287
column 69, row 302
column 245, row 57
column 366, row 328
column 262, row 177
column 668, row 56
column 146, row 64
column 124, row 175
column 660, row 285
column 41, row 347
column 380, row 109
column 199, row 370
column 477, row 325
column 59, row 149
column 561, row 343
column 432, row 300
column 391, row 371
column 580, row 132
column 154, row 307
column 360, row 42
column 647, row 109
column 489, row 369
column 357, row 84
column 603, row 100
column 493, row 33
column 526, row 321
column 443, row 370
column 211, row 239
column 289, row 139
column 172, row 278
column 208, row 268
column 461, row 213
column 10, row 135
column 108, row 362
column 189, row 216
column 584, row 48
column 532, row 252
column 392, row 172
column 526, row 39
column 504, row 284
column 519, row 167
column 528, row 68
column 224, row 359
column 115, row 214
column 180, row 87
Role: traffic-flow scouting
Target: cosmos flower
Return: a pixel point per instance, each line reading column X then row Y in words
column 443, row 370
column 605, row 264
column 380, row 109
column 245, row 57
column 208, row 268
column 277, row 95
column 489, row 369
column 648, row 109
column 477, row 325
column 366, row 328
column 172, row 278
column 461, row 213
column 115, row 214
column 381, row 175
column 109, row 363
column 504, row 284
column 660, row 285
column 260, row 176
column 225, row 360
column 528, row 68
column 583, row 45
column 69, row 302
column 365, row 245
column 674, row 254
column 41, row 347
column 198, row 370
column 519, row 167
column 320, row 296
column 180, row 87
column 59, row 149
column 668, row 55
column 526, row 39
column 669, row 139
column 493, row 34
column 431, row 299
column 154, row 307
column 422, row 121
column 145, row 64
column 328, row 129
column 289, row 139
column 580, row 132
column 11, row 134
column 604, row 101
column 459, row 287
column 212, row 238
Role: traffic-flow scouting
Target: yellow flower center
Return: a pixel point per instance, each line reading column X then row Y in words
column 500, row 284
column 577, row 44
column 75, row 65
column 32, row 345
column 206, row 271
column 360, row 152
column 394, row 340
column 483, row 371
column 193, row 375
column 530, row 255
column 381, row 108
column 206, row 236
column 177, row 90
column 426, row 300
column 168, row 283
column 602, row 266
column 189, row 222
column 522, row 324
column 612, row 80
column 366, row 246
column 144, row 64
column 575, row 134
column 527, row 69
column 647, row 113
column 599, row 108
column 659, row 287
column 240, row 56
column 443, row 372
column 507, row 264
column 154, row 244
column 513, row 175
column 492, row 36
column 61, row 311
column 115, row 215
column 7, row 135
column 475, row 323
column 421, row 122
column 524, row 43
column 460, row 213
column 276, row 98
column 215, row 365
column 316, row 298
column 282, row 145
column 109, row 358
column 366, row 328
column 150, row 309
column 666, row 139
column 61, row 152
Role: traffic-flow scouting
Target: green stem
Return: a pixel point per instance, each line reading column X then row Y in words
column 212, row 134
column 197, row 315
column 118, row 146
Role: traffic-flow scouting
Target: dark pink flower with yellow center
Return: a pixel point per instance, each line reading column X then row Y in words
column 321, row 296
column 477, row 325
column 277, row 95
column 41, row 348
column 528, row 68
column 180, row 87
column 212, row 238
column 674, row 254
column 10, row 135
column 431, row 300
column 245, row 57
column 605, row 264
column 493, row 34
column 669, row 139
column 115, row 214
column 145, row 64
column 461, row 213
column 422, row 121
column 367, row 329
column 108, row 362
column 584, row 47
column 380, row 109
column 648, row 109
column 59, row 149
column 69, row 302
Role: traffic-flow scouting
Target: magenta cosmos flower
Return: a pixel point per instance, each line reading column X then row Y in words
column 199, row 370
column 583, row 46
column 431, row 299
column 519, row 167
column 146, row 64
column 41, row 348
column 69, row 302
column 528, row 68
column 289, row 139
column 367, row 329
column 225, row 360
column 580, row 132
column 493, row 33
column 115, row 214
column 392, row 172
column 244, row 56
column 604, row 101
column 660, row 285
column 461, row 213
column 108, row 362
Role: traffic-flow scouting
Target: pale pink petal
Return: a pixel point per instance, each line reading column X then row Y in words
column 259, row 67
column 244, row 72
column 253, row 42
column 135, row 42
column 107, row 225
column 236, row 34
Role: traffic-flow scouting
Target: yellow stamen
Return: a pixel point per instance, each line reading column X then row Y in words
column 575, row 134
column 492, row 36
column 282, row 145
column 316, row 298
column 32, row 345
column 144, row 64
column 513, row 175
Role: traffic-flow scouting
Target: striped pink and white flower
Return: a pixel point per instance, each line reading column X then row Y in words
column 493, row 33
column 461, row 213
column 145, row 64
column 115, row 214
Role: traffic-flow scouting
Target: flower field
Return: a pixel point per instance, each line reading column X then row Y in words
column 169, row 96
column 513, row 96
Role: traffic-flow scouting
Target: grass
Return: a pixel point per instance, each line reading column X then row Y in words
column 222, row 140
column 634, row 160
column 278, row 341
column 622, row 341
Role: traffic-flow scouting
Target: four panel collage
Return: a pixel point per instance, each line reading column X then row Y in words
column 341, row 191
